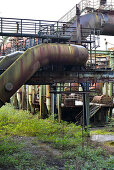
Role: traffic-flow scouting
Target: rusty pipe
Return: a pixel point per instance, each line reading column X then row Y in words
column 9, row 59
column 33, row 59
column 48, row 98
column 103, row 21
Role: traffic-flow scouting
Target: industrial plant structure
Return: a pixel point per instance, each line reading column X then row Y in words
column 54, row 66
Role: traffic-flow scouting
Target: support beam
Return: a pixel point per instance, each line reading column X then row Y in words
column 43, row 108
column 24, row 99
column 57, row 76
column 59, row 107
column 78, row 29
column 48, row 99
column 86, row 110
column 52, row 105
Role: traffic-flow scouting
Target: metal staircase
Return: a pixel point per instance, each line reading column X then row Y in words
column 93, row 110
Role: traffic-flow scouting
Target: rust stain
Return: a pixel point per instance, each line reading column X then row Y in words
column 29, row 62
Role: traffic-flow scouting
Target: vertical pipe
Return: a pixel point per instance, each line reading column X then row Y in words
column 110, row 89
column 48, row 98
column 86, row 111
column 35, row 28
column 59, row 107
column 105, row 89
column 52, row 105
column 43, row 108
column 40, row 99
column 24, row 104
column 33, row 97
column 112, row 68
column 1, row 25
column 112, row 62
column 90, row 52
column 19, row 98
column 59, row 102
column 57, row 28
column 33, row 94
column 30, row 99
column 78, row 29
column 21, row 26
column 15, row 101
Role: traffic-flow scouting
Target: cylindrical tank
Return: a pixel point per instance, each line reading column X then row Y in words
column 96, row 20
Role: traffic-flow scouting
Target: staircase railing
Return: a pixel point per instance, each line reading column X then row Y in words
column 93, row 110
column 69, row 15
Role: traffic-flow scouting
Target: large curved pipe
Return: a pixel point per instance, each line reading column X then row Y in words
column 33, row 59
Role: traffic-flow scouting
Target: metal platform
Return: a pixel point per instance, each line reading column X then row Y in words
column 16, row 27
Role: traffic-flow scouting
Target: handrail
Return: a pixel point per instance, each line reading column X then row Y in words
column 58, row 31
column 30, row 19
column 27, row 26
column 70, row 14
column 33, row 28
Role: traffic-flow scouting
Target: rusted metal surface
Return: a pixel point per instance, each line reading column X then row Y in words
column 9, row 59
column 33, row 59
column 59, row 76
column 103, row 100
column 73, row 87
column 103, row 21
column 100, row 19
column 48, row 98
column 97, row 87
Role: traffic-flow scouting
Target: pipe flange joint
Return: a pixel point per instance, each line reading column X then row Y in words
column 8, row 86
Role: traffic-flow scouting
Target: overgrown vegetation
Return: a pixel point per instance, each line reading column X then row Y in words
column 21, row 123
column 63, row 136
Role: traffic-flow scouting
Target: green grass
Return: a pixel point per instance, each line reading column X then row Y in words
column 21, row 123
column 101, row 132
column 89, row 158
column 66, row 137
column 11, row 154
